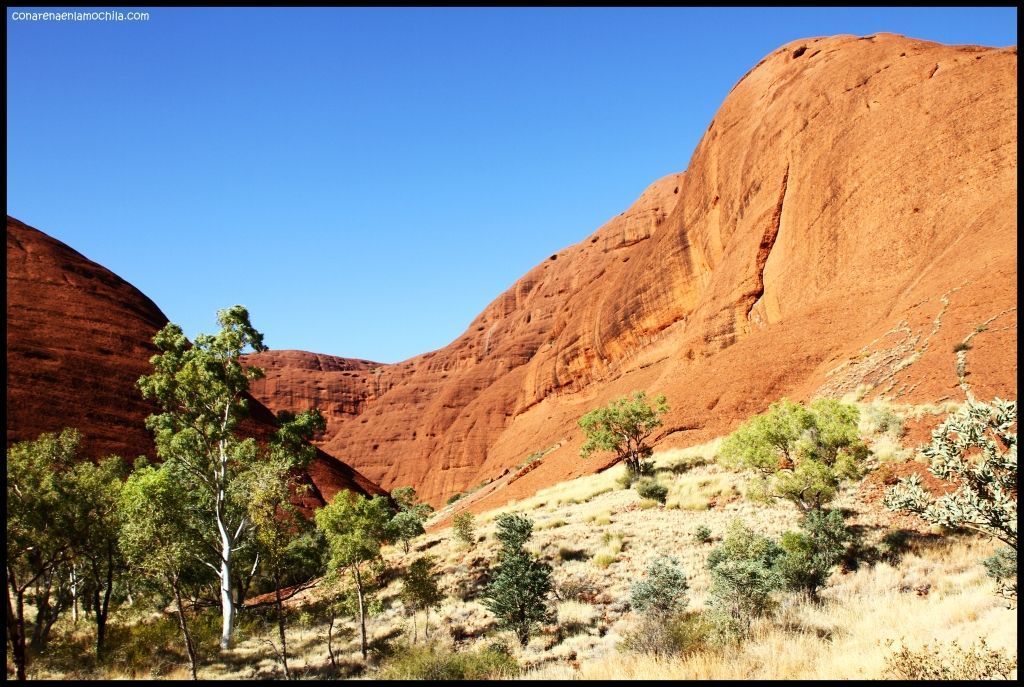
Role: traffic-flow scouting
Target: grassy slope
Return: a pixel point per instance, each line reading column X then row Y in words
column 596, row 534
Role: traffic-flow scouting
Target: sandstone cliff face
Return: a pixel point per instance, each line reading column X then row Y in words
column 848, row 217
column 78, row 339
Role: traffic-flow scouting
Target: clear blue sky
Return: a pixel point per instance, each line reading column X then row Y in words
column 365, row 181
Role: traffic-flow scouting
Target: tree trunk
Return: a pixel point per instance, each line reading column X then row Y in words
column 103, row 607
column 74, row 595
column 330, row 648
column 189, row 647
column 42, row 622
column 16, row 626
column 227, row 599
column 280, row 626
column 362, row 611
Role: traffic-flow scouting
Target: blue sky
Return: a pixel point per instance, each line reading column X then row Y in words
column 365, row 181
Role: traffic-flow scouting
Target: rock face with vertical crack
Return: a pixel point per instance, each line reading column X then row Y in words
column 843, row 187
column 78, row 339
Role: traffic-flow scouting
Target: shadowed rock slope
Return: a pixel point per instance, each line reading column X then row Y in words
column 78, row 339
column 847, row 219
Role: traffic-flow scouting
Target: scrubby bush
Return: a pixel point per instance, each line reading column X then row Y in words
column 652, row 489
column 677, row 635
column 663, row 591
column 880, row 419
column 808, row 556
column 1002, row 567
column 975, row 449
column 744, row 578
column 517, row 593
column 580, row 587
column 802, row 454
column 454, row 497
column 433, row 662
column 702, row 534
column 464, row 527
column 950, row 662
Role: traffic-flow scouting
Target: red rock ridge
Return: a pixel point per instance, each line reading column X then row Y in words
column 848, row 217
column 78, row 339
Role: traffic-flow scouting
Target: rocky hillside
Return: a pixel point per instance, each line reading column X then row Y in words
column 847, row 220
column 78, row 338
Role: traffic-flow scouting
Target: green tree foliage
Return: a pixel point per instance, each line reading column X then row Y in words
column 464, row 527
column 802, row 454
column 201, row 389
column 623, row 426
column 744, row 578
column 663, row 591
column 160, row 539
column 93, row 494
column 808, row 556
column 407, row 523
column 355, row 528
column 276, row 522
column 37, row 522
column 517, row 593
column 420, row 591
column 975, row 449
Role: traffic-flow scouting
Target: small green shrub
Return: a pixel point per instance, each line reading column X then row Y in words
column 432, row 662
column 603, row 560
column 651, row 489
column 702, row 534
column 677, row 635
column 454, row 497
column 808, row 556
column 1002, row 567
column 744, row 578
column 663, row 591
column 464, row 527
column 950, row 662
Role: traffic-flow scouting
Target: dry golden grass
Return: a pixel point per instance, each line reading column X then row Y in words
column 599, row 538
column 864, row 616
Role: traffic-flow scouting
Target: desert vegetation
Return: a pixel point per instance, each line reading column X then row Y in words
column 757, row 555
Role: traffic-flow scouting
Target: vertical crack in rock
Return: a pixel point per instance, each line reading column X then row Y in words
column 768, row 242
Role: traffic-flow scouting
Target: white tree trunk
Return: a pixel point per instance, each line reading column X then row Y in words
column 227, row 599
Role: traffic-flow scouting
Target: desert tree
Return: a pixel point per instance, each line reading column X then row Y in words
column 94, row 491
column 518, row 590
column 38, row 520
column 624, row 426
column 355, row 528
column 407, row 522
column 270, row 486
column 801, row 453
column 159, row 538
column 420, row 591
column 201, row 389
column 976, row 450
